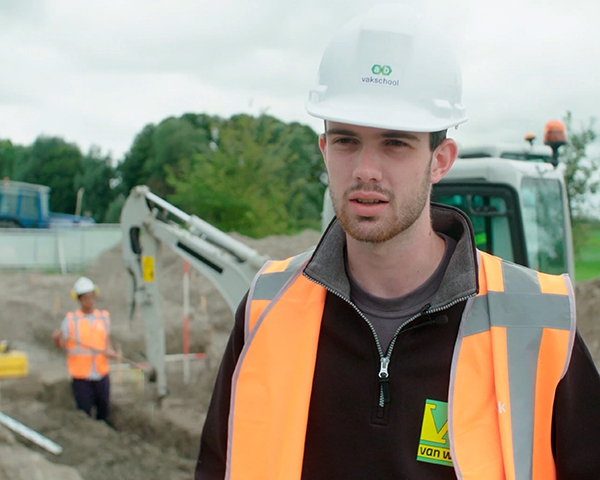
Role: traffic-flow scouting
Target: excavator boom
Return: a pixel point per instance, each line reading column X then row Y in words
column 147, row 222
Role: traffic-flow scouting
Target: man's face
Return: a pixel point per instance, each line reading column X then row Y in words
column 379, row 180
column 87, row 301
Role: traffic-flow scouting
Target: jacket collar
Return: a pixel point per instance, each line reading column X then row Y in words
column 327, row 265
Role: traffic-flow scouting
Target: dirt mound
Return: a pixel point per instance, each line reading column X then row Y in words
column 17, row 462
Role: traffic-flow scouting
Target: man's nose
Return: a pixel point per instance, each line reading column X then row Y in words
column 367, row 167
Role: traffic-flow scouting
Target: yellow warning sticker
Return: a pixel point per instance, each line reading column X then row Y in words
column 148, row 269
column 434, row 444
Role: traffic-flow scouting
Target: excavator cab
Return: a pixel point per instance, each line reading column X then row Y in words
column 519, row 210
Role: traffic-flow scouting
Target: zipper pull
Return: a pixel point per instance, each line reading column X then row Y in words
column 424, row 311
column 383, row 367
column 384, row 378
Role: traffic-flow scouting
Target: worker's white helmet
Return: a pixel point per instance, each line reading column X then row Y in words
column 83, row 285
column 389, row 69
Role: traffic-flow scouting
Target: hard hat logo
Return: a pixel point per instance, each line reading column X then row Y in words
column 381, row 70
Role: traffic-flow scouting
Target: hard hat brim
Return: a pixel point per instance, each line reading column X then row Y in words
column 407, row 117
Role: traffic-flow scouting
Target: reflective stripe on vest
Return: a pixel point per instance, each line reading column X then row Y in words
column 86, row 339
column 492, row 435
column 512, row 349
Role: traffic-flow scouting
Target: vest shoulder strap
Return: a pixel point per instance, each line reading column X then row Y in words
column 269, row 283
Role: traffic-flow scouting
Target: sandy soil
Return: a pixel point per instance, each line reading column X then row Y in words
column 148, row 443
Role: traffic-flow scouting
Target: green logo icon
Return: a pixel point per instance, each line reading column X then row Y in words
column 384, row 70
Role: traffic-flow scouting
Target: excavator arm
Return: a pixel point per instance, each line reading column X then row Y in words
column 147, row 222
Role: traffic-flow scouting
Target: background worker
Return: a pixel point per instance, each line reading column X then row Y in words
column 85, row 335
column 396, row 349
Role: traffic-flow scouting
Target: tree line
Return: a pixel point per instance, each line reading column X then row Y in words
column 255, row 175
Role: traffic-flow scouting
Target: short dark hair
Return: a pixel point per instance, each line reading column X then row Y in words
column 435, row 138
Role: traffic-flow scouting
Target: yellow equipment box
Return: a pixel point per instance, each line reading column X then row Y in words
column 13, row 364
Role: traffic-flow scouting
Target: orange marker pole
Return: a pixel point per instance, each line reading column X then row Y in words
column 186, row 322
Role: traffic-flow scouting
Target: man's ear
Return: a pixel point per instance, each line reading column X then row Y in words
column 322, row 144
column 442, row 159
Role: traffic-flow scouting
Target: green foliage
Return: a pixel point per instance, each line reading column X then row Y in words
column 95, row 179
column 580, row 228
column 10, row 155
column 113, row 211
column 579, row 169
column 305, row 165
column 258, row 177
column 52, row 161
column 158, row 148
column 131, row 170
column 174, row 140
column 587, row 261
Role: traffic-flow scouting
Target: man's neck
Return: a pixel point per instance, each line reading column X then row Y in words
column 399, row 266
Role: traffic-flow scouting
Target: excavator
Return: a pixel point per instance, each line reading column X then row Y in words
column 515, row 197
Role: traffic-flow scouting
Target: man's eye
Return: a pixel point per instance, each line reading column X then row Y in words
column 344, row 140
column 396, row 143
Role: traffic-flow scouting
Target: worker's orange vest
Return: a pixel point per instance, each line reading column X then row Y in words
column 512, row 349
column 86, row 343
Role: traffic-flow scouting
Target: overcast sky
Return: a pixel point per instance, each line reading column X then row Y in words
column 96, row 72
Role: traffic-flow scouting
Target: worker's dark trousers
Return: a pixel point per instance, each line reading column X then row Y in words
column 93, row 393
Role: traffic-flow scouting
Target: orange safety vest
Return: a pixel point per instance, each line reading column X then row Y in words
column 512, row 349
column 87, row 340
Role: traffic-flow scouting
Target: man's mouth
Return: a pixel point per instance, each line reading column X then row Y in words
column 367, row 201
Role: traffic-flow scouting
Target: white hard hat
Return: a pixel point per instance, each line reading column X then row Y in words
column 389, row 69
column 83, row 285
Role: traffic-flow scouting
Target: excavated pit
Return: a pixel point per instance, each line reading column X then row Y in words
column 147, row 442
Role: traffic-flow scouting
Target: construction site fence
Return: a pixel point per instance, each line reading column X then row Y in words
column 64, row 250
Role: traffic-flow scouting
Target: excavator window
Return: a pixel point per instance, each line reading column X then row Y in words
column 544, row 220
column 494, row 214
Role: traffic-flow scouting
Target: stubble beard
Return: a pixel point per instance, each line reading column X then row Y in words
column 373, row 229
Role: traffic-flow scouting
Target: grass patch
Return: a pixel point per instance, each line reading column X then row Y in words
column 587, row 262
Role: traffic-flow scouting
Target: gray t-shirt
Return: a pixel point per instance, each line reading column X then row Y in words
column 387, row 314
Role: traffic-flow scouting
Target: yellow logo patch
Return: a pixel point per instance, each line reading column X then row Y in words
column 434, row 444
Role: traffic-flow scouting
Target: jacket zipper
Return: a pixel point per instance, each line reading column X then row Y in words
column 384, row 359
column 426, row 310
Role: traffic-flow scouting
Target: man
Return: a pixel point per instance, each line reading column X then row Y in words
column 396, row 350
column 85, row 334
